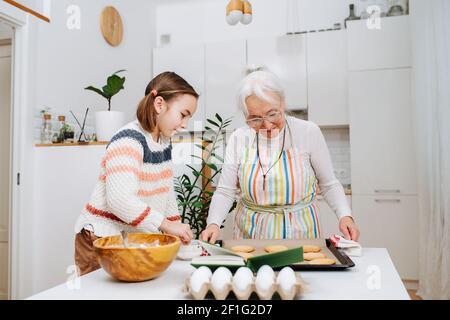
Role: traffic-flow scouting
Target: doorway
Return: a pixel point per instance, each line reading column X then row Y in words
column 6, row 35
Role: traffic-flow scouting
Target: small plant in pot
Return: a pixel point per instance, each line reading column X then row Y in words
column 67, row 134
column 108, row 122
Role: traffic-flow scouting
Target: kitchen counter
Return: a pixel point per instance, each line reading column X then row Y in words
column 373, row 277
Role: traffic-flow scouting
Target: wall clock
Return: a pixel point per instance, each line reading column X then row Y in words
column 111, row 26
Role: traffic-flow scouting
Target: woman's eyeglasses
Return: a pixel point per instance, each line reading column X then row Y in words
column 272, row 117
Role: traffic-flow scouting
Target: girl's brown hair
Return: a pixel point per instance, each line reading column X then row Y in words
column 167, row 85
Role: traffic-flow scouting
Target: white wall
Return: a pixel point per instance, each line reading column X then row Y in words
column 60, row 63
column 70, row 60
column 22, row 260
column 204, row 20
column 65, row 178
column 11, row 12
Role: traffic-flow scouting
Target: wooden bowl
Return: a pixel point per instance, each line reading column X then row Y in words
column 136, row 264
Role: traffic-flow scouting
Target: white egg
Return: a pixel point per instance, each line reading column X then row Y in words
column 266, row 270
column 221, row 278
column 264, row 281
column 243, row 278
column 199, row 277
column 286, row 271
column 205, row 270
column 286, row 279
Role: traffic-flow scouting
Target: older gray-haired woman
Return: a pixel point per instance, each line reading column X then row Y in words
column 278, row 163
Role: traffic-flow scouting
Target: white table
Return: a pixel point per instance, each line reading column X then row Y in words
column 373, row 277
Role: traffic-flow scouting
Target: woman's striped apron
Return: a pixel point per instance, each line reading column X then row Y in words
column 286, row 208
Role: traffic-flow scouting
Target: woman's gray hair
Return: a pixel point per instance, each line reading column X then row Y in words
column 258, row 83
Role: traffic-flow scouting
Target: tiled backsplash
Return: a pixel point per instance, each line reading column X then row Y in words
column 70, row 120
column 338, row 141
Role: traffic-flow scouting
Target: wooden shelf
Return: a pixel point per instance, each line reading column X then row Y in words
column 100, row 143
column 75, row 144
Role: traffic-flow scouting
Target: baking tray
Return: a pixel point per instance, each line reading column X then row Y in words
column 343, row 262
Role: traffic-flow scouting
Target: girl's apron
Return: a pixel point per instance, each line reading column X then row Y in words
column 286, row 208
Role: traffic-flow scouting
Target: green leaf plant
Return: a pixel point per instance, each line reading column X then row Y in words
column 194, row 195
column 114, row 84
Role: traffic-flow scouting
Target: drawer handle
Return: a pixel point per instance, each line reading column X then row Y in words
column 387, row 191
column 388, row 200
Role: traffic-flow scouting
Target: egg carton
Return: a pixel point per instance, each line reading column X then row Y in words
column 243, row 283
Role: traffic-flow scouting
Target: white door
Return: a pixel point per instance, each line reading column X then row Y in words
column 391, row 222
column 379, row 48
column 327, row 78
column 5, row 114
column 286, row 57
column 225, row 64
column 381, row 134
column 188, row 62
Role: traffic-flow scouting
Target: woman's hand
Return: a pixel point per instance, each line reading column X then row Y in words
column 176, row 228
column 211, row 233
column 349, row 228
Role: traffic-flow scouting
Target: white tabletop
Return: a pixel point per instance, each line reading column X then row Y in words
column 373, row 277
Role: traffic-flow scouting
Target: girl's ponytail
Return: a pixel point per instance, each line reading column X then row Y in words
column 146, row 113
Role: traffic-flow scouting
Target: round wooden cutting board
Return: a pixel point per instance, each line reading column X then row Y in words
column 111, row 26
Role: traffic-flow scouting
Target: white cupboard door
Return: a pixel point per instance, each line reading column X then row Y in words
column 286, row 57
column 381, row 135
column 188, row 62
column 329, row 222
column 379, row 48
column 390, row 222
column 225, row 64
column 327, row 78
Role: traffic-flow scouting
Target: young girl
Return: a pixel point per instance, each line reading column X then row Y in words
column 135, row 189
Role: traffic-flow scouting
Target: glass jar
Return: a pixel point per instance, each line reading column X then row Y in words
column 62, row 128
column 46, row 129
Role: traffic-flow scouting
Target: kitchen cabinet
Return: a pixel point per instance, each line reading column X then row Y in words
column 391, row 222
column 188, row 62
column 327, row 78
column 383, row 159
column 225, row 64
column 383, row 48
column 329, row 222
column 381, row 134
column 286, row 57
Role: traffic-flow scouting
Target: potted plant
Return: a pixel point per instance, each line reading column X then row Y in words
column 67, row 133
column 108, row 122
column 194, row 196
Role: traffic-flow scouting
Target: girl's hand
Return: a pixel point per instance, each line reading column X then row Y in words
column 349, row 228
column 181, row 230
column 211, row 233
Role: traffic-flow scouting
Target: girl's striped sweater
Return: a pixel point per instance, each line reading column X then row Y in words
column 135, row 189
